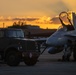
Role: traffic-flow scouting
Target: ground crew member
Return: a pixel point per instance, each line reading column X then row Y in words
column 67, row 50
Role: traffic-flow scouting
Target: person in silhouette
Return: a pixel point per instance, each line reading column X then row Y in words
column 67, row 50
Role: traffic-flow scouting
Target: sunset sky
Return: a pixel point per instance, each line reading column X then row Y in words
column 42, row 9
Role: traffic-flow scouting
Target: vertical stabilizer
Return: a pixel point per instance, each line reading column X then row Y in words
column 74, row 19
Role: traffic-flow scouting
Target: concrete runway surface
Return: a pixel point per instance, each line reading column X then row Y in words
column 47, row 65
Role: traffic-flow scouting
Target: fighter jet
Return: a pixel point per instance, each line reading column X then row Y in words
column 55, row 43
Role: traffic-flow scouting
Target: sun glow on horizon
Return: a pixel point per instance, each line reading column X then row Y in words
column 44, row 22
column 44, row 26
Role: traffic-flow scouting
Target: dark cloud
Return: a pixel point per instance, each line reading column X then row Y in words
column 27, row 19
column 31, row 19
column 18, row 19
column 56, row 20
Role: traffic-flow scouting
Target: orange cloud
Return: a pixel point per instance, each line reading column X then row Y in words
column 43, row 22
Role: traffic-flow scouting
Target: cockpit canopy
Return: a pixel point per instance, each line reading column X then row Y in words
column 66, row 28
column 69, row 27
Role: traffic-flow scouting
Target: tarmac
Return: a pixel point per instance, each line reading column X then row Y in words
column 47, row 65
